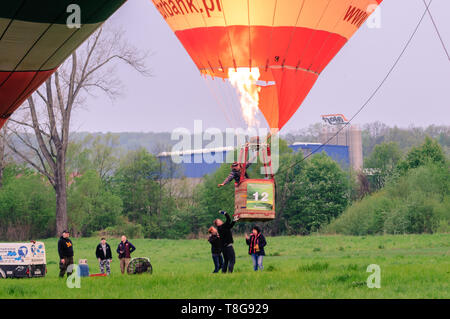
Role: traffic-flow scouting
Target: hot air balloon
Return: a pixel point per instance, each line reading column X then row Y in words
column 35, row 39
column 272, row 52
column 281, row 45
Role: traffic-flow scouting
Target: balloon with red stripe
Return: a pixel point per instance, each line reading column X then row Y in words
column 289, row 42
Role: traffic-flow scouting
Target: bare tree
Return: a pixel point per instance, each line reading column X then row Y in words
column 42, row 128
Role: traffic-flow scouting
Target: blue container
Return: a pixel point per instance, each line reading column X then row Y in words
column 83, row 270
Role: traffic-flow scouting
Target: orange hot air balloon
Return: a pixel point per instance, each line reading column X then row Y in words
column 289, row 41
column 35, row 39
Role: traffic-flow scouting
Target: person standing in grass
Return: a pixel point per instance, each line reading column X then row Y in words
column 104, row 256
column 224, row 229
column 65, row 251
column 124, row 250
column 256, row 243
column 216, row 248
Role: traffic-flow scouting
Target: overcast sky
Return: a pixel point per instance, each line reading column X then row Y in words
column 417, row 93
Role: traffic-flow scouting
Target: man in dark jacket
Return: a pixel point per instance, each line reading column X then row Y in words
column 256, row 243
column 104, row 256
column 235, row 174
column 226, row 236
column 124, row 250
column 65, row 251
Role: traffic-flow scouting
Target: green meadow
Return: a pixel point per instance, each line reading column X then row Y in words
column 412, row 266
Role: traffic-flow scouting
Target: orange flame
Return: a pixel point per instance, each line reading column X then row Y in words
column 244, row 81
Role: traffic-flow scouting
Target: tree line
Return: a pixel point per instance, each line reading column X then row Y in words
column 111, row 191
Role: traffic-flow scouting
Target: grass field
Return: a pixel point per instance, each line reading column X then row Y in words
column 412, row 266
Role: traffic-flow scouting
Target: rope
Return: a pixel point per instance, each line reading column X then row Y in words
column 437, row 30
column 371, row 96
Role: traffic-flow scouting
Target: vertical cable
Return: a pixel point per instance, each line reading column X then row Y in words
column 437, row 30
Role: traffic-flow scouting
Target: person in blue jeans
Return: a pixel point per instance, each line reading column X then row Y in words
column 256, row 243
column 216, row 249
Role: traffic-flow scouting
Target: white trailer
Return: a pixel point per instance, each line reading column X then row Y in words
column 18, row 260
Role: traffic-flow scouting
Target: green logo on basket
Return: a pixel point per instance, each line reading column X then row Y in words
column 259, row 196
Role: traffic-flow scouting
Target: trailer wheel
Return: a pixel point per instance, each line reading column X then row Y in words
column 139, row 265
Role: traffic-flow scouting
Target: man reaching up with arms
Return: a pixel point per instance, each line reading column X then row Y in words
column 224, row 229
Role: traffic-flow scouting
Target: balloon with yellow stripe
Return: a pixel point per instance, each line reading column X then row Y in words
column 280, row 46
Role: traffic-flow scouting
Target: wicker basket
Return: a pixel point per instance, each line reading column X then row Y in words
column 255, row 200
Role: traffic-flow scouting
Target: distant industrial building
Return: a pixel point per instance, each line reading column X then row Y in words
column 349, row 136
column 345, row 149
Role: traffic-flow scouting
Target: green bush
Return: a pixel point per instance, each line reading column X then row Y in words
column 91, row 206
column 396, row 222
column 418, row 202
column 124, row 227
column 27, row 208
column 364, row 217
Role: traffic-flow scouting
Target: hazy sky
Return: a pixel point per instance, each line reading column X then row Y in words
column 417, row 93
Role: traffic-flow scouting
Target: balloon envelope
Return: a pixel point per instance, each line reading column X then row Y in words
column 35, row 39
column 290, row 41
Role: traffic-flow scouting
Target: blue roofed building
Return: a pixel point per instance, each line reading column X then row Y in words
column 195, row 164
column 339, row 153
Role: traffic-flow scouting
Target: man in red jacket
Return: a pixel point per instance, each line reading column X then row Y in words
column 124, row 250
